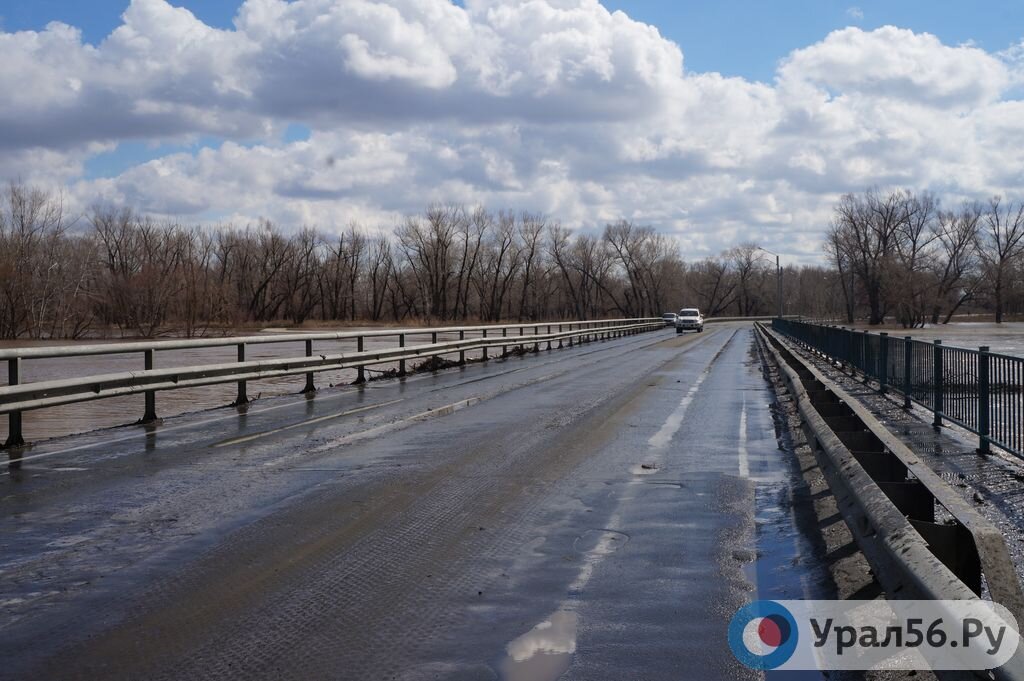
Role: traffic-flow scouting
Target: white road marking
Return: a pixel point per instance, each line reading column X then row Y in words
column 668, row 430
column 744, row 461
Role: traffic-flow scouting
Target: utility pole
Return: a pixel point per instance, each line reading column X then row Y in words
column 778, row 278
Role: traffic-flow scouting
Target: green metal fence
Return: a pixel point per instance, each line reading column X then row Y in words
column 975, row 389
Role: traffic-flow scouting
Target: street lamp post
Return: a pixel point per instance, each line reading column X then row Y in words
column 778, row 278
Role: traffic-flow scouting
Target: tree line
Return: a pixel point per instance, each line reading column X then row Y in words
column 113, row 270
column 899, row 254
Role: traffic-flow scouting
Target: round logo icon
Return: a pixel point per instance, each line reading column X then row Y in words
column 763, row 635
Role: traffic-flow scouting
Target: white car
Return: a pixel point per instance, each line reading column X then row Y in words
column 689, row 318
column 670, row 318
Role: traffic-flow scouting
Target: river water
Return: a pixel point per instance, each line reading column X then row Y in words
column 116, row 411
column 1006, row 338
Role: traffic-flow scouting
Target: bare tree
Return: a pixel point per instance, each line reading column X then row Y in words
column 836, row 249
column 954, row 269
column 1000, row 246
column 911, row 286
column 747, row 264
column 713, row 284
column 531, row 229
column 32, row 224
column 380, row 271
column 868, row 228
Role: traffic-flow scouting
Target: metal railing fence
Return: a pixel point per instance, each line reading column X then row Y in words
column 18, row 396
column 978, row 390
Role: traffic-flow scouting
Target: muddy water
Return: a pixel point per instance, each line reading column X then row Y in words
column 1006, row 338
column 86, row 416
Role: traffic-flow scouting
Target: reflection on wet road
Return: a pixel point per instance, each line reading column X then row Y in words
column 593, row 513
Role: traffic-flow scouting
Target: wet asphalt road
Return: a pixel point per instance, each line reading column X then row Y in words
column 585, row 513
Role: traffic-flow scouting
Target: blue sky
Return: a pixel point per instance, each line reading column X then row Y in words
column 326, row 112
column 746, row 38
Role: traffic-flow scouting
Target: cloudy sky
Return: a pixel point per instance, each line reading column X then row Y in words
column 717, row 122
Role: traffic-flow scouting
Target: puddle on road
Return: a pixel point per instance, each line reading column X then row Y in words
column 544, row 652
column 784, row 564
column 780, row 547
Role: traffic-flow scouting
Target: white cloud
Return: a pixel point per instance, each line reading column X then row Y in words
column 895, row 63
column 855, row 13
column 552, row 105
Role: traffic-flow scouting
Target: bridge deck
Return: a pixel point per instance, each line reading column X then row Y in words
column 425, row 528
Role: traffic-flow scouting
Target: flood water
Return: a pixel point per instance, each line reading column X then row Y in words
column 116, row 411
column 1006, row 338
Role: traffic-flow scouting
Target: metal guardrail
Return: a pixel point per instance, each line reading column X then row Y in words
column 18, row 397
column 978, row 390
column 888, row 499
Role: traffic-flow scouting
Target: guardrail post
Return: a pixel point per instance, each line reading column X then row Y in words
column 360, row 371
column 401, row 362
column 504, row 334
column 521, row 334
column 847, row 345
column 854, row 350
column 883, row 361
column 462, row 353
column 864, row 352
column 149, row 414
column 908, row 355
column 549, row 339
column 242, row 397
column 536, row 343
column 14, row 434
column 310, row 387
column 570, row 337
column 559, row 339
column 485, row 347
column 984, row 430
column 937, row 383
column 841, row 344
